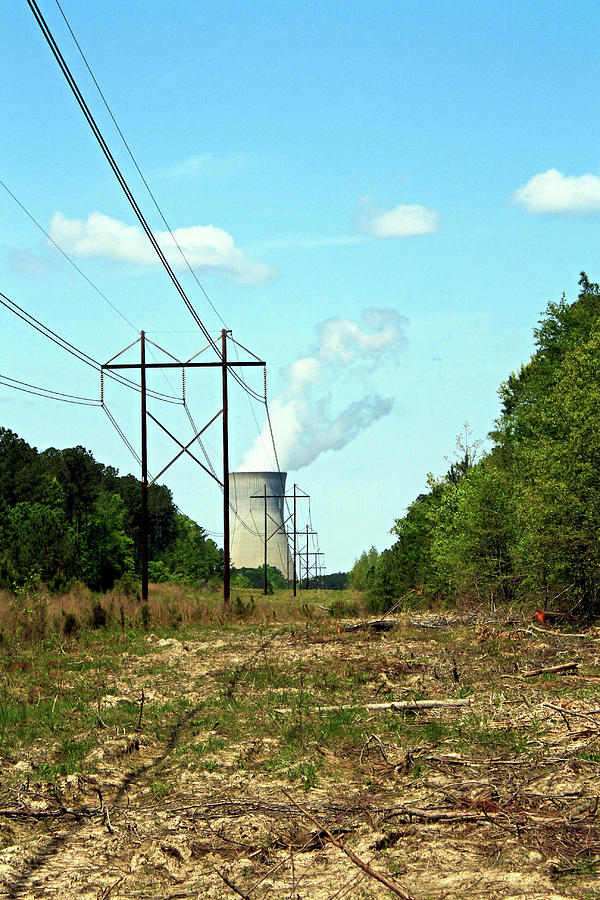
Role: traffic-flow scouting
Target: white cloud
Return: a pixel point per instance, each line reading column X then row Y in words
column 205, row 246
column 552, row 193
column 405, row 220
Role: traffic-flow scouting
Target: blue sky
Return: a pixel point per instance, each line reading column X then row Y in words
column 435, row 161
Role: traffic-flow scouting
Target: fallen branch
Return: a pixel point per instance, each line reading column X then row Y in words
column 474, row 815
column 22, row 813
column 230, row 884
column 390, row 885
column 566, row 634
column 589, row 714
column 400, row 705
column 565, row 667
column 440, row 815
column 375, row 624
column 110, row 888
column 139, row 723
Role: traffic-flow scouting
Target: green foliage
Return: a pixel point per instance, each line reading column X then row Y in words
column 344, row 608
column 29, row 609
column 65, row 516
column 474, row 531
column 336, row 581
column 526, row 517
column 241, row 609
column 363, row 571
column 104, row 547
column 255, row 578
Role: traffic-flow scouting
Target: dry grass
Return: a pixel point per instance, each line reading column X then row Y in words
column 36, row 613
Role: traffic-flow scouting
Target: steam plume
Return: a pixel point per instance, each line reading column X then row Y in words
column 303, row 423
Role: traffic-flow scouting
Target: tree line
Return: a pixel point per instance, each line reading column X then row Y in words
column 522, row 519
column 65, row 516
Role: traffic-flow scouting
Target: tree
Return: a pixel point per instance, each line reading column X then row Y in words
column 104, row 547
column 191, row 554
column 559, row 496
column 474, row 533
column 79, row 476
column 17, row 469
column 363, row 571
column 37, row 539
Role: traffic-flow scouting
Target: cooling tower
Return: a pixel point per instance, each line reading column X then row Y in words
column 247, row 528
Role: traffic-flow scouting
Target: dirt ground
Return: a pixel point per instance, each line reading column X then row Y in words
column 229, row 781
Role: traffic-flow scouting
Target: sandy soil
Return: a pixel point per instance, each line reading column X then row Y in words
column 439, row 818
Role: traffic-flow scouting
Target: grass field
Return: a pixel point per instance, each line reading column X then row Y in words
column 177, row 752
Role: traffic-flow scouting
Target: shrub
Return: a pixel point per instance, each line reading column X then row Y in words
column 70, row 625
column 241, row 609
column 145, row 616
column 341, row 607
column 98, row 616
column 128, row 585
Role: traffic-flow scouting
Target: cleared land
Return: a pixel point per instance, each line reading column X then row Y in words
column 210, row 790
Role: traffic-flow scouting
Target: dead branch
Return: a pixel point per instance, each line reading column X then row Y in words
column 110, row 888
column 139, row 723
column 23, row 813
column 372, row 737
column 434, row 815
column 566, row 634
column 581, row 714
column 390, row 885
column 375, row 624
column 352, row 882
column 230, row 884
column 400, row 705
column 565, row 667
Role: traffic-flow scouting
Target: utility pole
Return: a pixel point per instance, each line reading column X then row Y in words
column 294, row 559
column 191, row 363
column 226, row 552
column 144, row 523
column 280, row 526
column 317, row 566
column 266, row 539
column 312, row 554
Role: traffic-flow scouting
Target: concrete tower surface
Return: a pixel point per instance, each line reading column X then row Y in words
column 247, row 543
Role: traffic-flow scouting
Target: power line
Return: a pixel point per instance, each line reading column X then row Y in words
column 75, row 266
column 131, row 199
column 258, row 428
column 232, row 506
column 122, row 434
column 66, row 256
column 47, row 393
column 267, row 411
column 199, row 440
column 121, row 178
column 83, row 357
column 115, row 168
column 139, row 171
